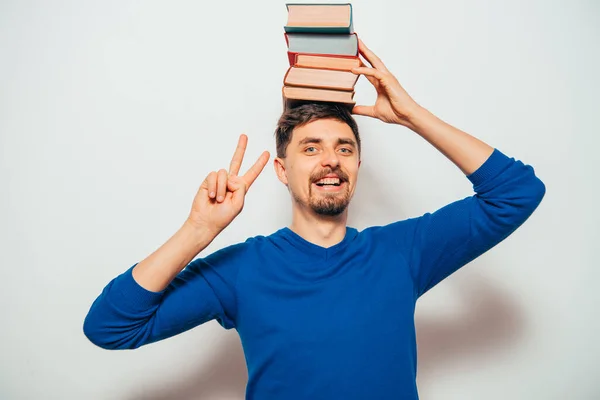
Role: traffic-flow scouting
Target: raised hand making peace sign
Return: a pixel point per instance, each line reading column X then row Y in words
column 221, row 196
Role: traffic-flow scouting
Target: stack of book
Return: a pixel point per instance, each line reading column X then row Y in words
column 322, row 50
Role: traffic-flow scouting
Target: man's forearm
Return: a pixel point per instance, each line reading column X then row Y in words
column 156, row 271
column 465, row 151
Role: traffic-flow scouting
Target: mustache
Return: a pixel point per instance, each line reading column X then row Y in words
column 322, row 174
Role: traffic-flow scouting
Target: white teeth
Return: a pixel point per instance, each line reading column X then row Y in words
column 329, row 181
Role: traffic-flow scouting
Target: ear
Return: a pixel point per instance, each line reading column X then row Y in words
column 278, row 164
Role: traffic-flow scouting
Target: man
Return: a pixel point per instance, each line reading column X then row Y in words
column 323, row 311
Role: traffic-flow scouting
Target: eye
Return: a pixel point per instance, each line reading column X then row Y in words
column 346, row 150
column 310, row 149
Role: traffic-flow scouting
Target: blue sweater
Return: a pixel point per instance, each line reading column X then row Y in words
column 325, row 323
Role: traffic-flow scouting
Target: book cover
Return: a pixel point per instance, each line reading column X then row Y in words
column 294, row 96
column 321, row 44
column 327, row 18
column 338, row 62
column 320, row 78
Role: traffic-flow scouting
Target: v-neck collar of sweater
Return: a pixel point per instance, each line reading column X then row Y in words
column 319, row 252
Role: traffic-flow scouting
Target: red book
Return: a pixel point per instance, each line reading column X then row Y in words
column 339, row 63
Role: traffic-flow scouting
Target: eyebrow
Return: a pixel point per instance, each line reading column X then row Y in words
column 340, row 141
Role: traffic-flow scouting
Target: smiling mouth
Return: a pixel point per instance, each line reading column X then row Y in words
column 328, row 184
column 329, row 181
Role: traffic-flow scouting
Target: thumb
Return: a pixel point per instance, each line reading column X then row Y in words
column 363, row 110
column 238, row 188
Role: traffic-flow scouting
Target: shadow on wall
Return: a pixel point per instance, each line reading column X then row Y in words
column 222, row 378
column 491, row 321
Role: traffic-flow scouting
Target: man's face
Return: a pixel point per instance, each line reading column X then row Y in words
column 321, row 166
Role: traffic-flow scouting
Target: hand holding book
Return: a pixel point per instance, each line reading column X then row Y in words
column 324, row 54
column 393, row 104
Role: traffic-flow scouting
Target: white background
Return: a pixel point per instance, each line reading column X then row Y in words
column 113, row 112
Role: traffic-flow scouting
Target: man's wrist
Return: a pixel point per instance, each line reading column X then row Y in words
column 201, row 235
column 418, row 117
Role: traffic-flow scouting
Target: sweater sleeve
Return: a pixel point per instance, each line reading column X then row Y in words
column 506, row 193
column 126, row 315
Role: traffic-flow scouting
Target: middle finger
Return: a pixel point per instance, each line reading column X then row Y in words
column 238, row 156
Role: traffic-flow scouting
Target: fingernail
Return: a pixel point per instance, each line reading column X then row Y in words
column 212, row 194
column 220, row 198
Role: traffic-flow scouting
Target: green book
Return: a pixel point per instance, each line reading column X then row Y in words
column 319, row 43
column 319, row 18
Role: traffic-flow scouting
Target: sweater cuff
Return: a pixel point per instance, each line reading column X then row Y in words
column 132, row 295
column 492, row 167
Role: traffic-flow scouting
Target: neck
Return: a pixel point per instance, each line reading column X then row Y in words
column 322, row 230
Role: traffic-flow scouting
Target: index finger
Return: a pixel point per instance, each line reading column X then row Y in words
column 250, row 176
column 238, row 156
column 371, row 57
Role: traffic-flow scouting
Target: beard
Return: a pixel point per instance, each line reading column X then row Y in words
column 329, row 204
column 323, row 203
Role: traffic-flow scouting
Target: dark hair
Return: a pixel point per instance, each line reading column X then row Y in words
column 308, row 112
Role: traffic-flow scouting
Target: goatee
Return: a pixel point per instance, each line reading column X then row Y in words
column 329, row 204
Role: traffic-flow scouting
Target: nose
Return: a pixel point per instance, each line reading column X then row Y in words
column 330, row 159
